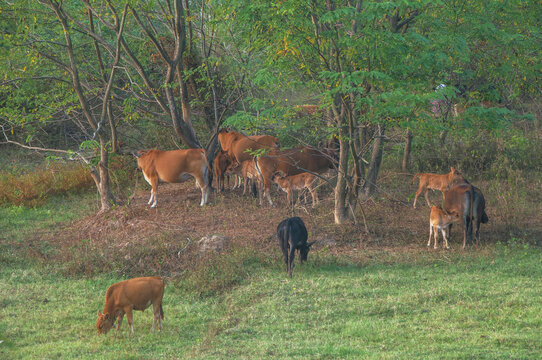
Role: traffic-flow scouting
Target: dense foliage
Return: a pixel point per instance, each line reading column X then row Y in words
column 458, row 80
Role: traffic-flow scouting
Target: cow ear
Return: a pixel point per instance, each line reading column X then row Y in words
column 310, row 244
column 99, row 313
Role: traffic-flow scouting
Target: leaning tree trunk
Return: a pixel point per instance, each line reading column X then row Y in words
column 374, row 165
column 100, row 175
column 406, row 153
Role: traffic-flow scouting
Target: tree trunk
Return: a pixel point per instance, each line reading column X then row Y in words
column 341, row 210
column 101, row 174
column 341, row 188
column 406, row 153
column 374, row 165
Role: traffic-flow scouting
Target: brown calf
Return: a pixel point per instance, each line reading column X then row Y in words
column 222, row 163
column 134, row 294
column 174, row 166
column 435, row 182
column 439, row 220
column 297, row 182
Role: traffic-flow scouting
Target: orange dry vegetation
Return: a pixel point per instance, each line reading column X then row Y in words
column 33, row 188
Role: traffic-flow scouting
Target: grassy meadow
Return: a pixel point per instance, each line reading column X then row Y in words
column 476, row 304
column 383, row 296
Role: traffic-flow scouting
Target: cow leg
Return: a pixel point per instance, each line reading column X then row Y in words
column 291, row 260
column 430, row 235
column 157, row 319
column 435, row 234
column 119, row 320
column 289, row 197
column 478, row 231
column 200, row 181
column 154, row 193
column 266, row 193
column 129, row 317
column 465, row 230
column 427, row 197
column 445, row 237
column 245, row 181
column 418, row 193
column 314, row 195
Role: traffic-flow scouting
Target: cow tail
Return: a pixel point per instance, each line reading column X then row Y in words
column 414, row 177
column 470, row 211
column 485, row 218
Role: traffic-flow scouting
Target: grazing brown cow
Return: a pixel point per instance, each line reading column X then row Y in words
column 237, row 145
column 223, row 162
column 174, row 166
column 439, row 220
column 297, row 182
column 435, row 182
column 134, row 294
column 466, row 202
column 291, row 162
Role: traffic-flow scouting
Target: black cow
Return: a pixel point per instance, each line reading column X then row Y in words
column 292, row 235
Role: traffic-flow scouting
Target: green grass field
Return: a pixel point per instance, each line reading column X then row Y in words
column 481, row 303
column 467, row 307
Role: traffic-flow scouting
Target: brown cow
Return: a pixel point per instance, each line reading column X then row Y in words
column 223, row 162
column 134, row 294
column 435, row 182
column 291, row 162
column 237, row 144
column 297, row 182
column 174, row 166
column 440, row 220
column 466, row 202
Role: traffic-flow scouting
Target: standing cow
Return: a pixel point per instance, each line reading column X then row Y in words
column 174, row 166
column 292, row 235
column 238, row 145
column 466, row 202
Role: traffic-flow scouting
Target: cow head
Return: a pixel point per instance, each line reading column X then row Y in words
column 304, row 251
column 104, row 322
column 278, row 175
column 139, row 155
column 456, row 177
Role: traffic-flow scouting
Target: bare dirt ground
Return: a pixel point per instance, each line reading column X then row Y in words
column 168, row 235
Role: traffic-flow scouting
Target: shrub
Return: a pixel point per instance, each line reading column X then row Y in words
column 33, row 188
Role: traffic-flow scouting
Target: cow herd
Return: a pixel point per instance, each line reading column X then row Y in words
column 292, row 169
